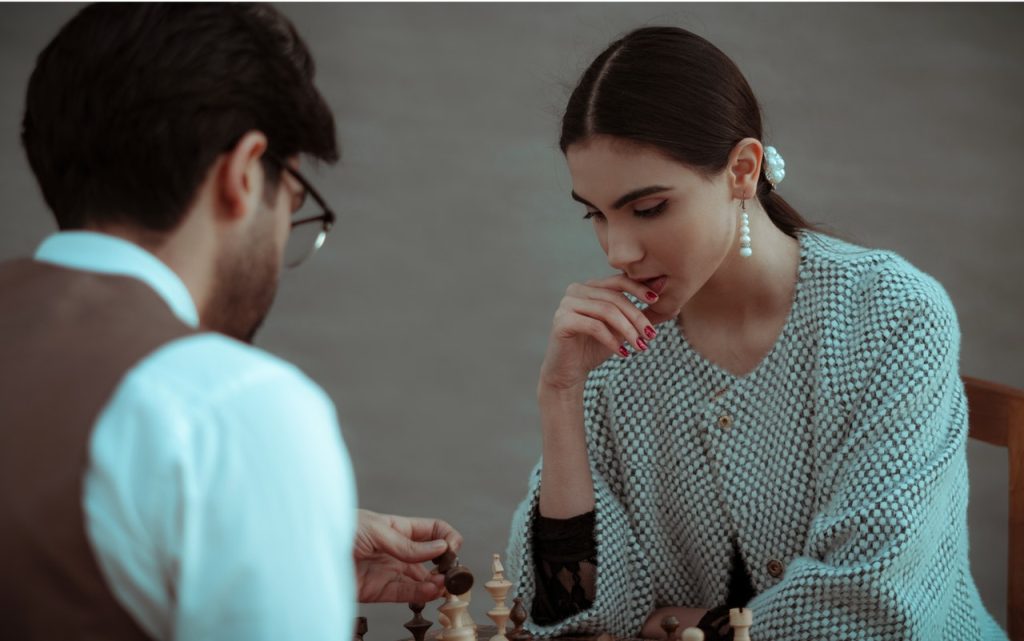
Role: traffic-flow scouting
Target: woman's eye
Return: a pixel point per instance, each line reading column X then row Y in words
column 593, row 214
column 651, row 211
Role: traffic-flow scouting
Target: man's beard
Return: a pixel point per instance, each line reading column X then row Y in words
column 244, row 286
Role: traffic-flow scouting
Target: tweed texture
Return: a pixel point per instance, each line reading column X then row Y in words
column 838, row 466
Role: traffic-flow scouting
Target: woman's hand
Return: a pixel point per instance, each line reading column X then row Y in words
column 688, row 618
column 594, row 321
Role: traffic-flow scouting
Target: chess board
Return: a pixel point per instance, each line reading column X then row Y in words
column 485, row 632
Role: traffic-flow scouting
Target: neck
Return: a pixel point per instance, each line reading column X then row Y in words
column 744, row 291
column 188, row 250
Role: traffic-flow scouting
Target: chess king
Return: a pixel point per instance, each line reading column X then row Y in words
column 160, row 477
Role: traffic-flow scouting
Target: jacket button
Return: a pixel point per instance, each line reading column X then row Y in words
column 775, row 568
column 725, row 421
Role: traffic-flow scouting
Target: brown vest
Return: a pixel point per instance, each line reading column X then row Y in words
column 67, row 338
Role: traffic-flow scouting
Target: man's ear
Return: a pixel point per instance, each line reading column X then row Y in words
column 745, row 167
column 240, row 178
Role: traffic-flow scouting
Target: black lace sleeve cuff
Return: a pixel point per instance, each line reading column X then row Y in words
column 566, row 567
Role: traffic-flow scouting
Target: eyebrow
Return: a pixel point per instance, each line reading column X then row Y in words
column 625, row 199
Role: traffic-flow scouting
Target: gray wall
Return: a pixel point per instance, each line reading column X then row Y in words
column 426, row 315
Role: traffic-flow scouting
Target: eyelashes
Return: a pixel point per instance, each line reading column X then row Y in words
column 650, row 212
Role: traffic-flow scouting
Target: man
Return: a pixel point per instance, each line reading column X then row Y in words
column 160, row 477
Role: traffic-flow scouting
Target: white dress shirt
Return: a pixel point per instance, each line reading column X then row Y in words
column 219, row 497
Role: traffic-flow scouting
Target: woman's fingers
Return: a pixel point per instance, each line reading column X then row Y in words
column 572, row 323
column 636, row 317
column 612, row 315
column 623, row 283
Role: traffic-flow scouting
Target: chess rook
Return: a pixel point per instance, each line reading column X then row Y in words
column 740, row 619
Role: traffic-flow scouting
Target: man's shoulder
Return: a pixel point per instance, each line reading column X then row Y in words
column 210, row 372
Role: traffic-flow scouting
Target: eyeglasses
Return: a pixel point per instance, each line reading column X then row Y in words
column 309, row 225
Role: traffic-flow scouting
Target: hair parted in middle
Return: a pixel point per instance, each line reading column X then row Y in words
column 670, row 89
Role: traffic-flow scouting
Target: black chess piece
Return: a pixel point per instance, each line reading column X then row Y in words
column 670, row 624
column 518, row 617
column 457, row 578
column 418, row 626
column 361, row 628
column 445, row 561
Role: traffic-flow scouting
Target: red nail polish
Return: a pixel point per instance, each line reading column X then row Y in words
column 624, row 352
column 641, row 343
column 650, row 332
column 651, row 296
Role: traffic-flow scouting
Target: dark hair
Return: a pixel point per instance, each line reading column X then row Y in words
column 673, row 90
column 130, row 105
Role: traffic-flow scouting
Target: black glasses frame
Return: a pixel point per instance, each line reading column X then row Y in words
column 327, row 218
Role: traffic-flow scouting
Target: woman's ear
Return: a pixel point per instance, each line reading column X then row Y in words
column 745, row 167
column 240, row 179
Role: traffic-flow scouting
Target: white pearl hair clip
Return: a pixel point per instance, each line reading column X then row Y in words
column 775, row 166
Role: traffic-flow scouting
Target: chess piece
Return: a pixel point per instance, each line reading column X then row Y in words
column 670, row 624
column 361, row 628
column 454, row 608
column 740, row 619
column 498, row 588
column 458, row 581
column 693, row 634
column 467, row 618
column 518, row 617
column 418, row 625
column 457, row 578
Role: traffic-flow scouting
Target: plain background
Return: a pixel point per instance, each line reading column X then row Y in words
column 426, row 314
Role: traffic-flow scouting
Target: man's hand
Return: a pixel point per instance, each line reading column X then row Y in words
column 389, row 553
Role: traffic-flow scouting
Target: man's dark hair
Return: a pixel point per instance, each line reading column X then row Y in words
column 130, row 105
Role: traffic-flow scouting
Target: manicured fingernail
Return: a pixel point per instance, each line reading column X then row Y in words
column 649, row 331
column 651, row 296
column 624, row 352
column 641, row 343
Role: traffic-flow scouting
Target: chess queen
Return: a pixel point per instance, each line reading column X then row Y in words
column 748, row 412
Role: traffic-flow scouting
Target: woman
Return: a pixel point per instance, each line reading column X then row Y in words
column 778, row 422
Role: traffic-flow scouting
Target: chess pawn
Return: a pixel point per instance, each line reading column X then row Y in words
column 518, row 617
column 498, row 588
column 467, row 618
column 693, row 634
column 361, row 629
column 418, row 626
column 670, row 624
column 740, row 620
column 455, row 609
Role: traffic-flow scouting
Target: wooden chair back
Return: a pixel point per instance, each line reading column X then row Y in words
column 997, row 417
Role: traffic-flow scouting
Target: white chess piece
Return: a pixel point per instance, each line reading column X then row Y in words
column 455, row 610
column 740, row 619
column 693, row 634
column 498, row 588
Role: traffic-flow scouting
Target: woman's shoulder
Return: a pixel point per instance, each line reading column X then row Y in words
column 871, row 282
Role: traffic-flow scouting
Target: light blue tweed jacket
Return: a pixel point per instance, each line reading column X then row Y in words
column 838, row 466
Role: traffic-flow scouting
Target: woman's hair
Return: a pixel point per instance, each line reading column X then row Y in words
column 673, row 90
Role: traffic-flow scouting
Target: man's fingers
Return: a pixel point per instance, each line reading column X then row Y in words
column 405, row 590
column 399, row 546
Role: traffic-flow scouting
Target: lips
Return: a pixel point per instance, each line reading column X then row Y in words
column 655, row 284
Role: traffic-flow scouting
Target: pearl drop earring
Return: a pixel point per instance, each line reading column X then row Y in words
column 745, row 249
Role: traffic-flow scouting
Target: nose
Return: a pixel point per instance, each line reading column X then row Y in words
column 623, row 249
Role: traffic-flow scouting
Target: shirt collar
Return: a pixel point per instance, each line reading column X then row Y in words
column 96, row 252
